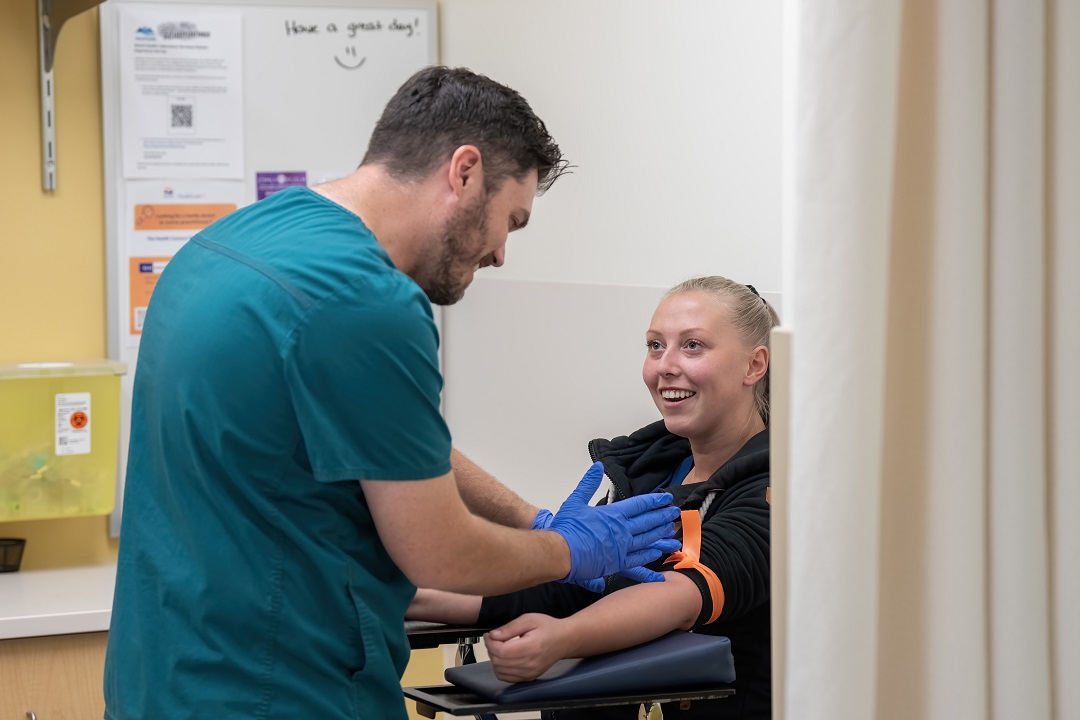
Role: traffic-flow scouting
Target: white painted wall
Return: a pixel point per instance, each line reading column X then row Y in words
column 671, row 113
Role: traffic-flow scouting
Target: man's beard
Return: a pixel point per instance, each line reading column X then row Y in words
column 463, row 241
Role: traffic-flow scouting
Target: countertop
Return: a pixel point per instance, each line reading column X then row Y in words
column 35, row 603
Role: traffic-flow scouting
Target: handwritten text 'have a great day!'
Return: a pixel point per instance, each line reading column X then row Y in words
column 352, row 29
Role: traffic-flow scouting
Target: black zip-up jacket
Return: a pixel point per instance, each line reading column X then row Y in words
column 734, row 545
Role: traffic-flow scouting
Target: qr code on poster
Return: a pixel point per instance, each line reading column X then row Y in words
column 182, row 116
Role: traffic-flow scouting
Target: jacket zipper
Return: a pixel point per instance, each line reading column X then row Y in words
column 592, row 455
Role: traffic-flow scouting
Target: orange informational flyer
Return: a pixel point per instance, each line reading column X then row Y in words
column 179, row 216
column 143, row 274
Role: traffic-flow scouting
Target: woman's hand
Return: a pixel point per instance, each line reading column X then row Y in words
column 526, row 647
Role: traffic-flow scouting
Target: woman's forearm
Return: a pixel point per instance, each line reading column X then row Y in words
column 623, row 619
column 527, row 646
column 632, row 616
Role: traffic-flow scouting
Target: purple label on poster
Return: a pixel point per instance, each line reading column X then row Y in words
column 268, row 183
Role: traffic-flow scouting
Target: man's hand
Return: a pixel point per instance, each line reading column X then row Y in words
column 637, row 574
column 609, row 538
column 543, row 519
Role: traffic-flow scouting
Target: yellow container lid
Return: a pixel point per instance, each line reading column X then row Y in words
column 13, row 371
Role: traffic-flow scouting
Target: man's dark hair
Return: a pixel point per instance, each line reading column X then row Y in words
column 439, row 109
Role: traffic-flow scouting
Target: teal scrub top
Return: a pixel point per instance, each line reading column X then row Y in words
column 283, row 358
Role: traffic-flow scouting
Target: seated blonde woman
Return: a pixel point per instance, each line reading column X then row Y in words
column 707, row 369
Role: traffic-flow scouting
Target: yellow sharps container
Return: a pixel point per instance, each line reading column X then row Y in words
column 59, row 438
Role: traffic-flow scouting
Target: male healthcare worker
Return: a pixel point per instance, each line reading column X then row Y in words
column 290, row 478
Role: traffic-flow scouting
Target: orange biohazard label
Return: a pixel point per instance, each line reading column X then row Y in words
column 72, row 424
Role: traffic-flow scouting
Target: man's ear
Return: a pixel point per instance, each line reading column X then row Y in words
column 466, row 171
column 757, row 366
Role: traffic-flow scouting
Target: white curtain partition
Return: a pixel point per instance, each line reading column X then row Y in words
column 933, row 489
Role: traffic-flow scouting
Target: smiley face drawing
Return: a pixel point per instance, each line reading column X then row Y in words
column 348, row 64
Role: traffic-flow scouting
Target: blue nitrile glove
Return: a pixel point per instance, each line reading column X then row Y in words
column 637, row 574
column 543, row 519
column 609, row 538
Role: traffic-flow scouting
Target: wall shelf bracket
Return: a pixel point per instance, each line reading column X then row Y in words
column 52, row 14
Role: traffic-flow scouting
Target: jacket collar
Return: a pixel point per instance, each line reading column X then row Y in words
column 639, row 462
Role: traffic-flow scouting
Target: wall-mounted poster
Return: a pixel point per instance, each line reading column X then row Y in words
column 181, row 103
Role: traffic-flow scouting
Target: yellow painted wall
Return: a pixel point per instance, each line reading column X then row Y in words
column 52, row 246
column 52, row 249
column 425, row 668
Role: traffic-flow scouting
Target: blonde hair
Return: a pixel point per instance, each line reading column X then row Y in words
column 751, row 315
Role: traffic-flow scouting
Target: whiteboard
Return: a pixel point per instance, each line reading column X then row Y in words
column 311, row 83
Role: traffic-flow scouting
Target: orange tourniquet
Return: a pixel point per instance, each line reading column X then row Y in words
column 690, row 557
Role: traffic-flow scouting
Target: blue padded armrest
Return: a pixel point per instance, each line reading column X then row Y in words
column 676, row 660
